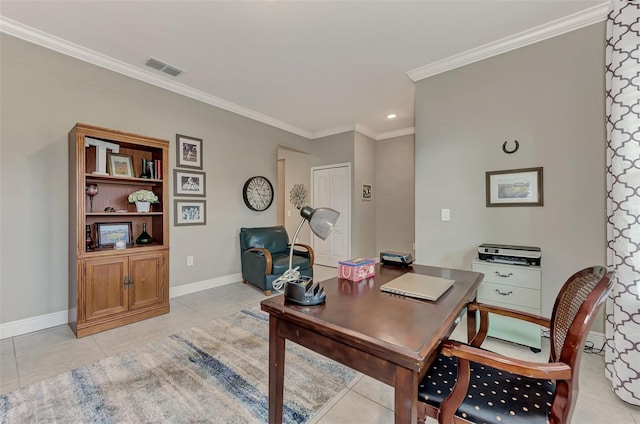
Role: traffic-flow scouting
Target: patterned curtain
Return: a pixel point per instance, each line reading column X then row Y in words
column 622, row 354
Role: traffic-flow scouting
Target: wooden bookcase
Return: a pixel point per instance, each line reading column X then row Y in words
column 111, row 287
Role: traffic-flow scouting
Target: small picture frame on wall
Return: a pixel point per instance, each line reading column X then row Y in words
column 514, row 187
column 120, row 166
column 367, row 192
column 188, row 152
column 190, row 212
column 189, row 183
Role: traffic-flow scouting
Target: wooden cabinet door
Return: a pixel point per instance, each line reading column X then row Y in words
column 105, row 287
column 147, row 272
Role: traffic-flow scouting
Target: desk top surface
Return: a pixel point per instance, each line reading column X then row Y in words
column 398, row 328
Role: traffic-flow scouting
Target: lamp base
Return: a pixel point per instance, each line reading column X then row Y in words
column 304, row 292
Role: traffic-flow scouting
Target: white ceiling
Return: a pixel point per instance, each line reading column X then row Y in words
column 313, row 68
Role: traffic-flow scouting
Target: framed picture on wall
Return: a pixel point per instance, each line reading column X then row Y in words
column 190, row 212
column 188, row 152
column 367, row 192
column 514, row 187
column 188, row 183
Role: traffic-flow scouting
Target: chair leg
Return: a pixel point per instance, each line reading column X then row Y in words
column 267, row 292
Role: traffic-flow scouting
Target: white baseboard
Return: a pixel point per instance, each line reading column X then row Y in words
column 42, row 322
column 204, row 285
column 29, row 325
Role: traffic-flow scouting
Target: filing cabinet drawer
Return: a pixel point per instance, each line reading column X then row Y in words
column 492, row 294
column 514, row 275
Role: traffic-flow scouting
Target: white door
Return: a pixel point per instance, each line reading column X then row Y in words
column 331, row 187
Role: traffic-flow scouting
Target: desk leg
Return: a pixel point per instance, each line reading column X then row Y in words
column 276, row 372
column 406, row 396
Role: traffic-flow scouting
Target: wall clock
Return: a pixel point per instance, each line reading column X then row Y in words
column 257, row 193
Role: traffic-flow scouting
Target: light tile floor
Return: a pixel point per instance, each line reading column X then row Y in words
column 32, row 357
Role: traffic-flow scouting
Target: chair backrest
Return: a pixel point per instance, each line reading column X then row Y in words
column 577, row 304
column 274, row 239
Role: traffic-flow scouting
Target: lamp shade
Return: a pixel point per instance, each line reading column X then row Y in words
column 321, row 220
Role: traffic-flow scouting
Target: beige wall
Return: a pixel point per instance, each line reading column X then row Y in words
column 43, row 95
column 394, row 194
column 296, row 171
column 550, row 97
column 363, row 224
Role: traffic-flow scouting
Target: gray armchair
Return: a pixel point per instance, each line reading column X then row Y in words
column 265, row 256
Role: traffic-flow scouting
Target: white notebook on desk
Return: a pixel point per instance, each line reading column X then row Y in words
column 418, row 286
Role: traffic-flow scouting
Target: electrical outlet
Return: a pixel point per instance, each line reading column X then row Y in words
column 445, row 214
column 189, row 260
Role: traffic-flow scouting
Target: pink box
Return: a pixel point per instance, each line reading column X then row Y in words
column 357, row 269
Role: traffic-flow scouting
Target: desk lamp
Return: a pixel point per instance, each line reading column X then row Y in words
column 303, row 291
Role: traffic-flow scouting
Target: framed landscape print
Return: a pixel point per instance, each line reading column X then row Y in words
column 514, row 187
column 189, row 183
column 188, row 152
column 108, row 233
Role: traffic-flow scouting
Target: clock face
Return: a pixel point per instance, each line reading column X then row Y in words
column 257, row 193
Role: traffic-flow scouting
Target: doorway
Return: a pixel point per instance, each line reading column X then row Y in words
column 331, row 187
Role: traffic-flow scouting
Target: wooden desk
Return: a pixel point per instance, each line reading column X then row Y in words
column 391, row 338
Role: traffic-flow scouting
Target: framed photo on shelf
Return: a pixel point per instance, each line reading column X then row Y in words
column 188, row 152
column 367, row 193
column 514, row 187
column 189, row 183
column 190, row 212
column 108, row 233
column 120, row 166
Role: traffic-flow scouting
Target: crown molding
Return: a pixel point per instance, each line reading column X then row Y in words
column 32, row 35
column 365, row 131
column 560, row 26
column 333, row 131
column 396, row 133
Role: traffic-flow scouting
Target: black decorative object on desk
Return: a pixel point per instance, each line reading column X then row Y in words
column 144, row 237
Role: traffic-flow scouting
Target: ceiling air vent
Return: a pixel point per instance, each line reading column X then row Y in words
column 162, row 66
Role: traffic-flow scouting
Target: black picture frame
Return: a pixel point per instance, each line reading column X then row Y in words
column 514, row 187
column 108, row 233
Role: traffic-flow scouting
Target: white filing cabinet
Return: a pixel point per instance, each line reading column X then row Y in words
column 514, row 287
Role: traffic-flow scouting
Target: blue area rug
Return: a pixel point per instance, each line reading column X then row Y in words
column 213, row 375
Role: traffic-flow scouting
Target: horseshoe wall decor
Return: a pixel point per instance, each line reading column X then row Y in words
column 515, row 149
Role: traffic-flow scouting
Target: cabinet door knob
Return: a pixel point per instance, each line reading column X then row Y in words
column 503, row 293
column 504, row 275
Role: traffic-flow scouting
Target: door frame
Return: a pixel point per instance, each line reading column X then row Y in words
column 343, row 214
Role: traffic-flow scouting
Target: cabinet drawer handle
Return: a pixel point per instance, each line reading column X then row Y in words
column 504, row 294
column 504, row 275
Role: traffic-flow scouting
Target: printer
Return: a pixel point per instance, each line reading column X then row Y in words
column 508, row 254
